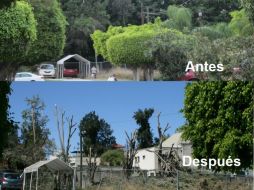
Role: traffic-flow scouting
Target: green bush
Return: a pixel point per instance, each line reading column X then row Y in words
column 112, row 157
column 130, row 49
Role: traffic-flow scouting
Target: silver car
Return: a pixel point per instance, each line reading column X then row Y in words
column 47, row 70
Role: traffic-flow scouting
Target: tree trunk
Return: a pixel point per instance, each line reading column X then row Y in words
column 8, row 71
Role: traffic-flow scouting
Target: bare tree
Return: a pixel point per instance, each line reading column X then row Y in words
column 169, row 160
column 131, row 142
column 65, row 147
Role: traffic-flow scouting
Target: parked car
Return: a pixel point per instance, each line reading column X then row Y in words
column 189, row 76
column 10, row 180
column 47, row 70
column 70, row 72
column 26, row 76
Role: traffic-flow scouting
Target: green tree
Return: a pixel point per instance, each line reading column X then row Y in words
column 233, row 52
column 6, row 122
column 180, row 18
column 84, row 17
column 113, row 158
column 6, row 3
column 17, row 32
column 214, row 32
column 51, row 25
column 248, row 5
column 34, row 134
column 240, row 24
column 120, row 11
column 12, row 149
column 207, row 11
column 170, row 50
column 96, row 134
column 128, row 46
column 219, row 121
column 144, row 134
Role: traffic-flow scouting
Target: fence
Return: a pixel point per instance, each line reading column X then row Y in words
column 115, row 179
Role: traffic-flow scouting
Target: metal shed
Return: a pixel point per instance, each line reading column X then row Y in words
column 55, row 172
column 84, row 66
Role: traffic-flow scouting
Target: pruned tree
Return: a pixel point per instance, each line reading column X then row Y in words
column 144, row 133
column 169, row 161
column 131, row 146
column 65, row 147
column 92, row 165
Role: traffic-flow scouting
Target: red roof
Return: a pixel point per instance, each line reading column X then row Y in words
column 117, row 146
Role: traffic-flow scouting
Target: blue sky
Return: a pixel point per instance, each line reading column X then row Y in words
column 114, row 102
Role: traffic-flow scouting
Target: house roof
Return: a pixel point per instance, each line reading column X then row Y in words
column 54, row 165
column 175, row 140
column 117, row 146
column 75, row 56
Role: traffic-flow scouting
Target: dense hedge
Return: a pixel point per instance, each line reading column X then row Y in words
column 130, row 49
column 126, row 45
column 17, row 31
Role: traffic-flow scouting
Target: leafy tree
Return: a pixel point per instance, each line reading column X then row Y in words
column 34, row 134
column 249, row 7
column 233, row 52
column 120, row 11
column 51, row 25
column 207, row 11
column 240, row 24
column 180, row 18
column 96, row 134
column 6, row 3
column 219, row 121
column 84, row 17
column 170, row 50
column 213, row 32
column 12, row 149
column 127, row 45
column 6, row 122
column 113, row 158
column 144, row 134
column 17, row 32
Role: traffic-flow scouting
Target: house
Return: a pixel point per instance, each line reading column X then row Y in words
column 146, row 159
column 183, row 148
column 75, row 160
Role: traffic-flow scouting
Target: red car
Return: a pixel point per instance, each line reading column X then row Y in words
column 70, row 72
column 189, row 76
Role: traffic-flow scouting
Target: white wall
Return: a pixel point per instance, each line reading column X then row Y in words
column 146, row 160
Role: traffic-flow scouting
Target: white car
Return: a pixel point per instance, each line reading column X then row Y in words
column 26, row 76
column 47, row 70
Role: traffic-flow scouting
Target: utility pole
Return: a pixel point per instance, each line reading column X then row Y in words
column 33, row 123
column 142, row 13
column 81, row 160
column 148, row 15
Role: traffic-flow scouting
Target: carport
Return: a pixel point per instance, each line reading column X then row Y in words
column 84, row 66
column 51, row 174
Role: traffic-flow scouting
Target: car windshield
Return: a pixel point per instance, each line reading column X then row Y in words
column 47, row 67
column 11, row 176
